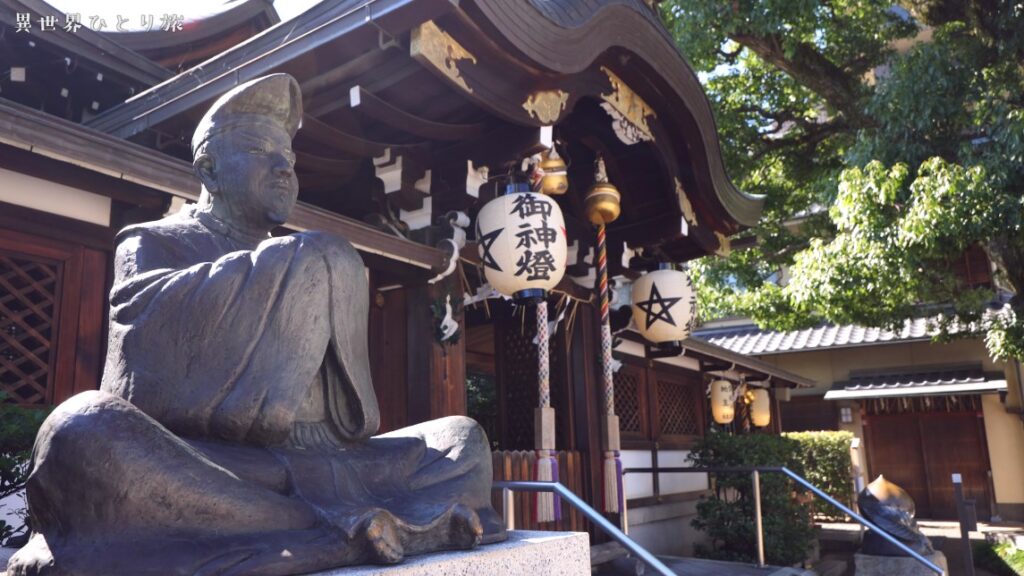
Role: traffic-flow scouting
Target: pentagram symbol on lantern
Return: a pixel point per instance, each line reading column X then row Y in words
column 664, row 307
column 486, row 241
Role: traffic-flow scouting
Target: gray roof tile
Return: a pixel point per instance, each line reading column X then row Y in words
column 750, row 339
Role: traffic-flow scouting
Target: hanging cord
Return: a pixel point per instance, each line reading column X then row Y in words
column 549, row 507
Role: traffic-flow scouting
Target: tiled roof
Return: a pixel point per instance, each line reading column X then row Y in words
column 918, row 382
column 749, row 339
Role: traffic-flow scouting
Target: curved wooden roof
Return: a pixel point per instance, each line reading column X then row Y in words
column 439, row 84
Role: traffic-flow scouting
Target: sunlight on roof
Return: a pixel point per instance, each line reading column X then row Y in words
column 155, row 10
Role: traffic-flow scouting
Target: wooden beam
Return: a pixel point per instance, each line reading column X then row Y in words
column 26, row 162
column 323, row 133
column 321, row 164
column 56, row 138
column 504, row 144
column 376, row 108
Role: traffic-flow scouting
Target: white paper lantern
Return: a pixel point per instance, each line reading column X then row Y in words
column 760, row 408
column 664, row 305
column 723, row 408
column 522, row 243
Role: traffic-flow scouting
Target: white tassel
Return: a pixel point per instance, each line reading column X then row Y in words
column 611, row 484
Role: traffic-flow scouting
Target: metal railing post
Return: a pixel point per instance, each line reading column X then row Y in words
column 508, row 509
column 758, row 525
column 864, row 522
column 593, row 515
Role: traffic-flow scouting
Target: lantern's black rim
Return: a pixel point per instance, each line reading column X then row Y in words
column 529, row 296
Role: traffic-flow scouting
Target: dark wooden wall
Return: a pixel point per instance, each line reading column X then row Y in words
column 416, row 377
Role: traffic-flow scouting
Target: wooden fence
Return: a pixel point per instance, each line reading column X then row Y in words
column 521, row 465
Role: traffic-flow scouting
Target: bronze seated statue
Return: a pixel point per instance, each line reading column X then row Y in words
column 234, row 429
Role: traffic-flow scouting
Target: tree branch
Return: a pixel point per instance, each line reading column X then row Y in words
column 810, row 68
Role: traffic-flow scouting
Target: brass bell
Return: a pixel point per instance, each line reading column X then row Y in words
column 555, row 179
column 602, row 204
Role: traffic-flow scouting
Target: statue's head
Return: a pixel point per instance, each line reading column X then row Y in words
column 243, row 155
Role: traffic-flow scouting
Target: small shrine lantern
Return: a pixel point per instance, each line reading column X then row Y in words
column 723, row 407
column 760, row 407
column 522, row 243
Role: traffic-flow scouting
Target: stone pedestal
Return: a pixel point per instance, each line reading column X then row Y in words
column 897, row 565
column 525, row 552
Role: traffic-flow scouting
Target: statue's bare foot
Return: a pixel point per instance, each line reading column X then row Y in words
column 466, row 528
column 383, row 538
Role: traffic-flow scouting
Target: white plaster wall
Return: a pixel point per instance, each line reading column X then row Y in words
column 1005, row 435
column 46, row 196
column 642, row 485
column 665, row 529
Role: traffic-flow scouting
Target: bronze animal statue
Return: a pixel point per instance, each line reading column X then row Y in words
column 890, row 508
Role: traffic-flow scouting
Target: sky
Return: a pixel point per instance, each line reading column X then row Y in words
column 109, row 10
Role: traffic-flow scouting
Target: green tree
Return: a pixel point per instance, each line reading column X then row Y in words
column 888, row 138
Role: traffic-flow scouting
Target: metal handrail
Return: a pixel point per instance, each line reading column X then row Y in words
column 756, row 470
column 578, row 503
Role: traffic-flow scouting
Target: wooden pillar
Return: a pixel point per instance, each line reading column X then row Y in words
column 436, row 373
column 588, row 399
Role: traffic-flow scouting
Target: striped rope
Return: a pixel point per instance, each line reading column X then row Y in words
column 606, row 330
column 612, row 463
column 543, row 351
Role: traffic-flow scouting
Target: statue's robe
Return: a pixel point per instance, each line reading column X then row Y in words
column 232, row 433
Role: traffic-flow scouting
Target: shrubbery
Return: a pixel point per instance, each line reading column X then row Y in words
column 727, row 517
column 826, row 459
column 18, row 427
column 1001, row 559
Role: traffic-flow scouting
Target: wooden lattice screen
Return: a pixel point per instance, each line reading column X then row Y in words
column 629, row 400
column 29, row 297
column 518, row 377
column 679, row 408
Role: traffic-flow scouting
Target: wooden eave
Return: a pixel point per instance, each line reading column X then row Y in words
column 714, row 358
column 371, row 85
column 201, row 39
column 567, row 37
column 263, row 54
column 65, row 141
column 259, row 13
column 87, row 44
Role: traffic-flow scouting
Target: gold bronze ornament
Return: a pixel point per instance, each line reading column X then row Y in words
column 628, row 110
column 724, row 245
column 554, row 176
column 441, row 50
column 603, row 202
column 546, row 105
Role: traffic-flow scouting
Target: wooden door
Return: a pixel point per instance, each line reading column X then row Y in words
column 954, row 443
column 894, row 451
column 921, row 452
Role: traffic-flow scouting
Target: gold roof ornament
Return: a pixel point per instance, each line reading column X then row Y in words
column 439, row 49
column 628, row 110
column 546, row 105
